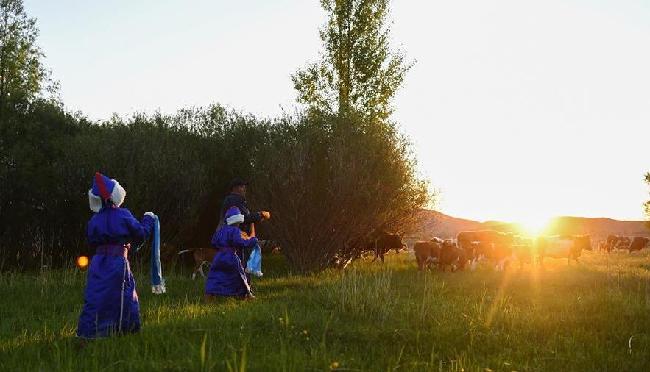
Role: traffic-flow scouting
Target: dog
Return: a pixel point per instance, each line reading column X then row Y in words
column 269, row 246
column 201, row 257
column 204, row 256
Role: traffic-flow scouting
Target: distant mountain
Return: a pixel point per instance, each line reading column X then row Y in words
column 599, row 227
column 434, row 223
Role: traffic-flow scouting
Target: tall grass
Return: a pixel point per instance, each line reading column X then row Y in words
column 366, row 294
column 581, row 317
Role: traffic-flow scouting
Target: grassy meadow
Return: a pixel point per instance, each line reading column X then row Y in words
column 372, row 317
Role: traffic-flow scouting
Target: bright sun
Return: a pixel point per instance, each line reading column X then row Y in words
column 534, row 225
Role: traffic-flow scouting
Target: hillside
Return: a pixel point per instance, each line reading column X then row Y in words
column 434, row 223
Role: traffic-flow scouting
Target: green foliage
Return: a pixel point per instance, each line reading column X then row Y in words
column 31, row 197
column 22, row 75
column 358, row 72
column 30, row 131
column 333, row 185
column 565, row 318
column 329, row 184
column 350, row 171
column 177, row 166
column 323, row 186
column 331, row 181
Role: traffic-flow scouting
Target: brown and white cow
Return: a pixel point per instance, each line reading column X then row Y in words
column 427, row 253
column 491, row 245
column 451, row 255
column 638, row 243
column 615, row 242
column 500, row 254
column 476, row 243
column 569, row 247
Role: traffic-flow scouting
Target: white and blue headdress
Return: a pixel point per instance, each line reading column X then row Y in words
column 105, row 190
column 233, row 216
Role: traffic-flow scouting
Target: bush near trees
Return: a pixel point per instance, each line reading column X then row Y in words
column 332, row 187
column 353, row 169
column 177, row 166
column 334, row 176
column 328, row 193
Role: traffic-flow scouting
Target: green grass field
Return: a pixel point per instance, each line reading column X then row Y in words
column 373, row 317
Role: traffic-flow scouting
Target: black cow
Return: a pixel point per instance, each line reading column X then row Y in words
column 384, row 243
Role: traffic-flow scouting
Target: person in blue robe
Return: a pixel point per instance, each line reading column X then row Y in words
column 110, row 299
column 227, row 277
column 237, row 198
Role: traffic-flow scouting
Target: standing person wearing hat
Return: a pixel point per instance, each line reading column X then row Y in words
column 237, row 198
column 110, row 299
column 227, row 277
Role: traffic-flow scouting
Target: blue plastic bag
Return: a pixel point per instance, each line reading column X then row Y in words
column 254, row 264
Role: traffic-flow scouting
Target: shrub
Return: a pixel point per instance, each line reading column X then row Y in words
column 330, row 183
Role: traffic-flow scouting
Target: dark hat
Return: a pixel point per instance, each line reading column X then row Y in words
column 237, row 182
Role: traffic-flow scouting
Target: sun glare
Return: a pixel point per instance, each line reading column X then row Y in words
column 534, row 225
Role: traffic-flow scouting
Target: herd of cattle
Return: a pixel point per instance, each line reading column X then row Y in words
column 468, row 249
column 630, row 244
column 500, row 249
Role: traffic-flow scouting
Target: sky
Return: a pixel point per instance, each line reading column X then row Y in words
column 517, row 110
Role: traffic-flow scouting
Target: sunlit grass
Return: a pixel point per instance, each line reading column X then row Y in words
column 372, row 317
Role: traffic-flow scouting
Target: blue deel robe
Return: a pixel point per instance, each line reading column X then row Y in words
column 227, row 276
column 110, row 299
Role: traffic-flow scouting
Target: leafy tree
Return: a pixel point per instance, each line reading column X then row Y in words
column 22, row 74
column 30, row 126
column 349, row 171
column 342, row 175
column 330, row 194
column 358, row 71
